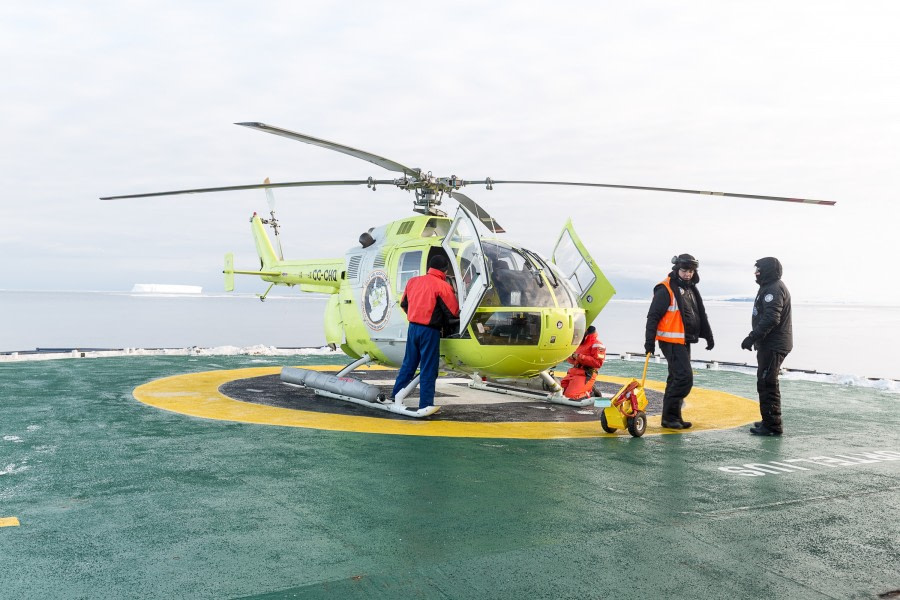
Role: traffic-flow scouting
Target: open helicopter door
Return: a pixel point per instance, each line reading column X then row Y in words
column 470, row 267
column 573, row 260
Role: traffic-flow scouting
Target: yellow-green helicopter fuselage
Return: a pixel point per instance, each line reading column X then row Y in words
column 520, row 313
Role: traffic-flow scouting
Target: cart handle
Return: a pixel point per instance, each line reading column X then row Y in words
column 644, row 376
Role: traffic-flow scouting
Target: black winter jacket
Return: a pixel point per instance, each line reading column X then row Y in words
column 771, row 322
column 690, row 304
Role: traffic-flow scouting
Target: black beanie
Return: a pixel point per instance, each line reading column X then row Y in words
column 439, row 262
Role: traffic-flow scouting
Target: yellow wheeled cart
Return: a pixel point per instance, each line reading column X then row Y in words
column 626, row 409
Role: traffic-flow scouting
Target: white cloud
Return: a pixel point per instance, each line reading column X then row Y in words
column 793, row 99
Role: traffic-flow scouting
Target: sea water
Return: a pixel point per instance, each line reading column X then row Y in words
column 126, row 320
column 830, row 338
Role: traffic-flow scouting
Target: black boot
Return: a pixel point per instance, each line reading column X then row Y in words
column 763, row 429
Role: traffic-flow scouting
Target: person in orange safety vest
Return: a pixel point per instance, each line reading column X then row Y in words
column 578, row 383
column 677, row 319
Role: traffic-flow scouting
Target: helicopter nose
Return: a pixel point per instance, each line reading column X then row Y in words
column 557, row 328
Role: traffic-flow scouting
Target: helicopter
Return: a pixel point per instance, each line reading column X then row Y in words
column 521, row 314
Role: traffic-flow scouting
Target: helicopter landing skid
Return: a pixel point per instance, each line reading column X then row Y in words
column 343, row 387
column 499, row 388
column 395, row 407
column 560, row 399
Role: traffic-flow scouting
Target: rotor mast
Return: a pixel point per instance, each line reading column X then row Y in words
column 429, row 191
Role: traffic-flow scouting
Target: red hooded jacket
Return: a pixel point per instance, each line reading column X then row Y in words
column 429, row 300
column 591, row 353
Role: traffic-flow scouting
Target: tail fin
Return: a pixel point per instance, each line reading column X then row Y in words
column 264, row 247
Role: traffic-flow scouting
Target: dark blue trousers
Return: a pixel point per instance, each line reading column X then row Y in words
column 423, row 349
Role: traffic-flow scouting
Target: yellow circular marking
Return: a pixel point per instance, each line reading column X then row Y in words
column 197, row 395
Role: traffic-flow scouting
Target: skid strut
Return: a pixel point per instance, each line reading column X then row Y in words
column 555, row 397
column 342, row 387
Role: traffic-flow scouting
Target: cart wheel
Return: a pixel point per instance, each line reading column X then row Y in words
column 637, row 424
column 604, row 424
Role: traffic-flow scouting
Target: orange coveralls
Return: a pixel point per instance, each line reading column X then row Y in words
column 578, row 383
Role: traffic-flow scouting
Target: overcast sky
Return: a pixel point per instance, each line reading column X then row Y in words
column 783, row 98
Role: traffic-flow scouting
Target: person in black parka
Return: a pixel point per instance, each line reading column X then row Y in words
column 773, row 338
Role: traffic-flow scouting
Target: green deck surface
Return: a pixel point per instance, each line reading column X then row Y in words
column 117, row 499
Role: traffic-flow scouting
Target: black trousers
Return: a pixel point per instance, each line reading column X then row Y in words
column 769, row 364
column 680, row 379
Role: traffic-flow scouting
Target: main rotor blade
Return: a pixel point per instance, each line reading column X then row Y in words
column 384, row 163
column 661, row 189
column 479, row 212
column 255, row 186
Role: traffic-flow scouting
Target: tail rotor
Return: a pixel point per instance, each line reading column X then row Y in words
column 272, row 221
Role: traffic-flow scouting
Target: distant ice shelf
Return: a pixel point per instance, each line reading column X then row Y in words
column 162, row 288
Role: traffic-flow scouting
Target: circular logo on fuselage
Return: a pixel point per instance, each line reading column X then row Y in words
column 376, row 300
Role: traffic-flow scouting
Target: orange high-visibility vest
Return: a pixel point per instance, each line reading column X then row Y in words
column 671, row 326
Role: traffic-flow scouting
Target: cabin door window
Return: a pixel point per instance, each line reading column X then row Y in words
column 463, row 245
column 581, row 271
column 409, row 266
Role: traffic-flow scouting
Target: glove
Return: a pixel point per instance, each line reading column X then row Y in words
column 747, row 344
column 710, row 344
column 650, row 347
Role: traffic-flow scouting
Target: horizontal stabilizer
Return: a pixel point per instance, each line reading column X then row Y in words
column 229, row 272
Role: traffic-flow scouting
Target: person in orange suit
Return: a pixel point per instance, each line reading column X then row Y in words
column 578, row 383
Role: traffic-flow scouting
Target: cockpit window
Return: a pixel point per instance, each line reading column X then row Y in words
column 515, row 281
column 565, row 295
column 573, row 265
column 436, row 228
column 507, row 328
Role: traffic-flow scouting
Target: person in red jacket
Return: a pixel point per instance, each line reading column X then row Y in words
column 578, row 383
column 429, row 304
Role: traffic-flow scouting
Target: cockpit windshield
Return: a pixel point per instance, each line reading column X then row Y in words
column 565, row 295
column 515, row 280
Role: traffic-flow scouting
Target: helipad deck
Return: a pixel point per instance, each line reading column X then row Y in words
column 102, row 496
